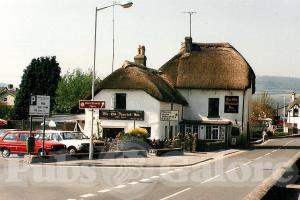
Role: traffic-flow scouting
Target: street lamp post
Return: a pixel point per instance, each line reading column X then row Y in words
column 124, row 5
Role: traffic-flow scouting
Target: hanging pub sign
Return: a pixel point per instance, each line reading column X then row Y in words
column 231, row 104
column 137, row 115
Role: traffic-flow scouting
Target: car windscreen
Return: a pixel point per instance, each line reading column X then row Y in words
column 73, row 136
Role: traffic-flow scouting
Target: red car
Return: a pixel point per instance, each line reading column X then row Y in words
column 15, row 142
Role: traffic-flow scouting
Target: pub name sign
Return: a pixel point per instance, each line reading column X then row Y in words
column 137, row 115
column 231, row 104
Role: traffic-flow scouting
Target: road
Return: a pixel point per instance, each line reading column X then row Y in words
column 232, row 177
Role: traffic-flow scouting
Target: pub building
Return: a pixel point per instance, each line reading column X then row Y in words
column 205, row 89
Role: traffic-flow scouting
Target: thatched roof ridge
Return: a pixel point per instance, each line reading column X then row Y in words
column 132, row 76
column 209, row 66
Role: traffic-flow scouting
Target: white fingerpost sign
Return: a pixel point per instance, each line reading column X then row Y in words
column 169, row 115
column 39, row 105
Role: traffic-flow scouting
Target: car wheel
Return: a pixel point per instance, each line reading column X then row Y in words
column 72, row 150
column 5, row 153
column 40, row 153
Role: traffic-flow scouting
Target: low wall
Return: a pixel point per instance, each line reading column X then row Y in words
column 30, row 159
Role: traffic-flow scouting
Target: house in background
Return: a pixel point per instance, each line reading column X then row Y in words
column 293, row 116
column 8, row 95
column 209, row 85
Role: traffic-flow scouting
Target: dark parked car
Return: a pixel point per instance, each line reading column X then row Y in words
column 15, row 142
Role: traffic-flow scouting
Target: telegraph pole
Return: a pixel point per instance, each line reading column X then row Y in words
column 190, row 14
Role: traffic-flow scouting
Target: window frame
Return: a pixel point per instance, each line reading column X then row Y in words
column 118, row 105
column 213, row 109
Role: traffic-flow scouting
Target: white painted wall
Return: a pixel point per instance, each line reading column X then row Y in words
column 291, row 119
column 10, row 99
column 135, row 100
column 198, row 104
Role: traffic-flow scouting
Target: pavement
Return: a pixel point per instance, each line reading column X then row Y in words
column 188, row 159
column 232, row 177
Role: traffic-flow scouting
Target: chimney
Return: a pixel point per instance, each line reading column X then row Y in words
column 188, row 44
column 293, row 96
column 140, row 58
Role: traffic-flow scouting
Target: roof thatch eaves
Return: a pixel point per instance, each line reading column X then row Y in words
column 138, row 77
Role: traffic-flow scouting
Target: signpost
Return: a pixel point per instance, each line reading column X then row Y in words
column 87, row 104
column 83, row 104
column 39, row 106
column 169, row 115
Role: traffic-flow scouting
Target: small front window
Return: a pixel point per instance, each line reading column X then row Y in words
column 120, row 102
column 213, row 108
column 296, row 112
column 5, row 99
column 212, row 132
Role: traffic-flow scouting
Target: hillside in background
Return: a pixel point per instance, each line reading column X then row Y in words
column 277, row 84
column 278, row 87
column 3, row 84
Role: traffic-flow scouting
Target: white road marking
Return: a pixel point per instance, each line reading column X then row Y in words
column 178, row 169
column 231, row 170
column 87, row 195
column 171, row 172
column 258, row 158
column 133, row 183
column 210, row 179
column 247, row 163
column 105, row 190
column 163, row 174
column 145, row 180
column 173, row 195
column 274, row 151
column 154, row 177
column 71, row 199
column 120, row 186
column 288, row 142
column 267, row 154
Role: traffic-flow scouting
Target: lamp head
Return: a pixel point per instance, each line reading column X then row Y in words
column 126, row 4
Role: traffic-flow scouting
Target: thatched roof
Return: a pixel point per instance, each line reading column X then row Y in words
column 293, row 103
column 133, row 76
column 209, row 66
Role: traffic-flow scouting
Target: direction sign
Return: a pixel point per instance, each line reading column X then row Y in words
column 169, row 115
column 91, row 104
column 39, row 105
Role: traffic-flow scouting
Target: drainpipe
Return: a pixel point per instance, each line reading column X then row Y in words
column 243, row 110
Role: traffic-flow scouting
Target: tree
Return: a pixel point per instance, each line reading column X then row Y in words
column 5, row 111
column 73, row 86
column 40, row 77
column 262, row 107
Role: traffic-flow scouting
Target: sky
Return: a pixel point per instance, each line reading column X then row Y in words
column 265, row 32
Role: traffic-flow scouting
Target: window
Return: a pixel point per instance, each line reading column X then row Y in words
column 296, row 112
column 23, row 137
column 182, row 129
column 222, row 133
column 10, row 137
column 188, row 129
column 120, row 102
column 213, row 107
column 195, row 129
column 5, row 99
column 212, row 132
